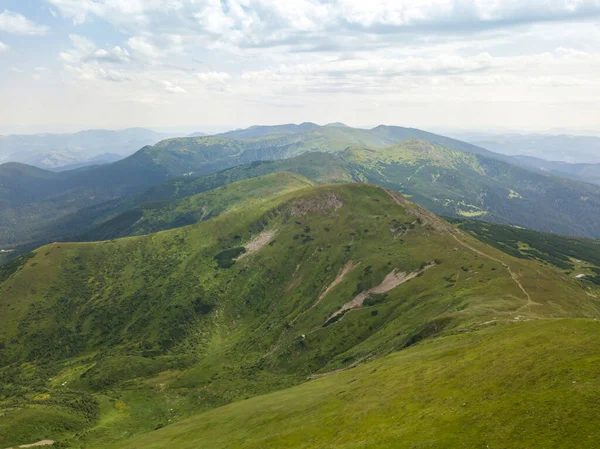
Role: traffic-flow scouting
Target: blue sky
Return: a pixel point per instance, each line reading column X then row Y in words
column 213, row 64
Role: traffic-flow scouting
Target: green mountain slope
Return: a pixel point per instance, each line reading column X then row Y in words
column 527, row 385
column 448, row 182
column 157, row 216
column 575, row 255
column 118, row 338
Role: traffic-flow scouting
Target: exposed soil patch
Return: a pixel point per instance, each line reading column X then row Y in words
column 339, row 278
column 258, row 242
column 391, row 281
column 323, row 204
column 38, row 444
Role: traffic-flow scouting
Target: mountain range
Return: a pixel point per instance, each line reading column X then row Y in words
column 446, row 176
column 569, row 148
column 68, row 151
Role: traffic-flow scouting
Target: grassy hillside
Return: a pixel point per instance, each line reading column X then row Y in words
column 575, row 255
column 157, row 216
column 104, row 341
column 526, row 385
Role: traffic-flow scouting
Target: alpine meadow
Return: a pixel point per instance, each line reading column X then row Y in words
column 195, row 252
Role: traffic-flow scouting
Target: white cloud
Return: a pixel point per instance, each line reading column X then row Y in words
column 15, row 23
column 3, row 47
column 92, row 63
column 116, row 55
column 172, row 88
column 288, row 60
column 145, row 48
column 211, row 77
column 298, row 23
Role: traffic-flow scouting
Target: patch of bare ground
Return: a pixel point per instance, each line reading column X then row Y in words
column 38, row 444
column 339, row 278
column 347, row 268
column 325, row 203
column 258, row 242
column 391, row 281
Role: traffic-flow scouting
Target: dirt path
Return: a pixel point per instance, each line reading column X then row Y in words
column 513, row 275
column 391, row 281
column 444, row 227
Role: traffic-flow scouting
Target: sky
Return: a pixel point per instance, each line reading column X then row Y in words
column 208, row 65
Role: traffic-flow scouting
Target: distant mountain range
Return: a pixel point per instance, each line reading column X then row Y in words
column 56, row 151
column 561, row 148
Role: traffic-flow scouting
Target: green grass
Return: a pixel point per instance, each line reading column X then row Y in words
column 155, row 331
column 167, row 214
column 526, row 385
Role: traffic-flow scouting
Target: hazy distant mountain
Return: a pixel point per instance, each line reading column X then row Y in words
column 562, row 148
column 58, row 150
column 260, row 130
column 340, row 124
column 198, row 134
column 580, row 172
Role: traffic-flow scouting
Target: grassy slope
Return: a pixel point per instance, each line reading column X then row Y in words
column 160, row 215
column 154, row 331
column 527, row 385
column 451, row 182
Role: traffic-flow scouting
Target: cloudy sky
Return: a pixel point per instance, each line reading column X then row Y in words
column 207, row 64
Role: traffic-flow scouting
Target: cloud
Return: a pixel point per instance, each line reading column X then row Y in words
column 376, row 74
column 212, row 77
column 92, row 63
column 172, row 88
column 15, row 23
column 297, row 24
column 115, row 55
column 3, row 47
column 145, row 48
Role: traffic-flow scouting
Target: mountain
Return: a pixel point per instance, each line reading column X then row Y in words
column 581, row 172
column 197, row 134
column 448, row 182
column 156, row 216
column 33, row 201
column 561, row 147
column 106, row 342
column 52, row 151
column 262, row 130
column 447, row 176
